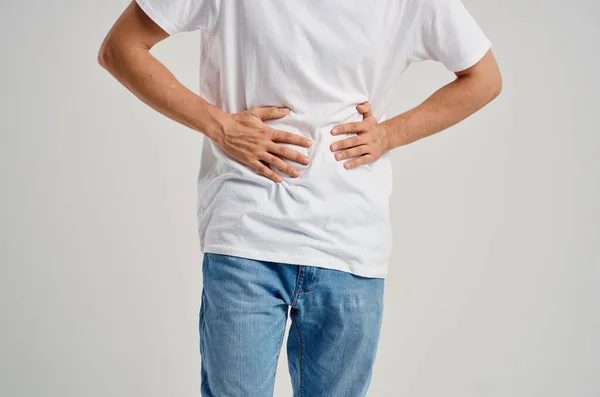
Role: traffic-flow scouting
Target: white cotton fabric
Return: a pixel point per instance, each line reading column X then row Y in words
column 320, row 59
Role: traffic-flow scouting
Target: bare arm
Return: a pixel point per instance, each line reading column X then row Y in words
column 472, row 89
column 125, row 53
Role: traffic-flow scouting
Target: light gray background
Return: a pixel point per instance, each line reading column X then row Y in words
column 493, row 288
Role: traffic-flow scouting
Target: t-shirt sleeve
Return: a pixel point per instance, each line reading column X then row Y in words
column 175, row 16
column 448, row 33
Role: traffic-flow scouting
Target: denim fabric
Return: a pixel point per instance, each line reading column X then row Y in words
column 332, row 343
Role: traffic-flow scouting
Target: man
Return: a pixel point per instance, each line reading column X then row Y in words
column 295, row 177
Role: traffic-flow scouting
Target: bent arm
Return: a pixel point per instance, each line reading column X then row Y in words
column 472, row 89
column 125, row 54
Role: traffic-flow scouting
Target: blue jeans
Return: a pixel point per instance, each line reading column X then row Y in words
column 331, row 347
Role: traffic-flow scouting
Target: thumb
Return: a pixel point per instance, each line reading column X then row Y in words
column 365, row 109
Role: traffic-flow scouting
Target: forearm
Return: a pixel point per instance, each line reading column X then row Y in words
column 152, row 82
column 447, row 106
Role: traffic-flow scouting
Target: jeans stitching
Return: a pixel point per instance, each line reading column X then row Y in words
column 300, row 354
column 296, row 290
column 203, row 377
column 317, row 276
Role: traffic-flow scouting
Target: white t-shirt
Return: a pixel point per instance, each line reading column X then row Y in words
column 319, row 58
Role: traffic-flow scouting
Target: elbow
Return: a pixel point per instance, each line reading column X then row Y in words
column 106, row 54
column 103, row 56
column 496, row 85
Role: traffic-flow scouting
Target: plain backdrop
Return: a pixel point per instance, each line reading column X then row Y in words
column 494, row 281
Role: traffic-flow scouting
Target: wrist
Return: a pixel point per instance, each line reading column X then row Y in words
column 389, row 134
column 214, row 123
column 394, row 130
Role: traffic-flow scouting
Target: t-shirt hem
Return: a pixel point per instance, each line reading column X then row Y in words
column 157, row 18
column 328, row 263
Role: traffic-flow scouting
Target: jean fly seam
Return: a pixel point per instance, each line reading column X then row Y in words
column 299, row 278
column 314, row 284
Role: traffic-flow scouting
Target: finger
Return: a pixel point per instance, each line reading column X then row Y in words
column 269, row 112
column 355, row 126
column 348, row 142
column 281, row 165
column 288, row 153
column 352, row 152
column 288, row 137
column 364, row 159
column 365, row 109
column 266, row 171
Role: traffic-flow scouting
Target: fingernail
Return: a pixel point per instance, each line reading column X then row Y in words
column 347, row 164
column 296, row 173
column 309, row 143
column 284, row 109
column 307, row 160
column 334, row 147
column 333, row 131
column 338, row 156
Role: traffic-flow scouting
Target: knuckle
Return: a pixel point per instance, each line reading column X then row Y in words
column 275, row 148
column 294, row 138
column 264, row 156
column 288, row 137
column 277, row 162
column 270, row 159
column 292, row 154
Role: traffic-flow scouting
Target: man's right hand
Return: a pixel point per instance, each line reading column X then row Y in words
column 247, row 139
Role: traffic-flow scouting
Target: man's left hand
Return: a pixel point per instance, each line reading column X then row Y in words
column 371, row 142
